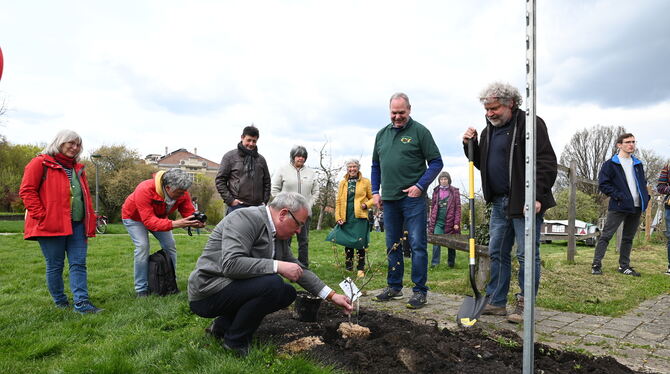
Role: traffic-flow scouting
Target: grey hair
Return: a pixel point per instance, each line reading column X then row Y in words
column 505, row 93
column 400, row 95
column 292, row 201
column 61, row 138
column 177, row 179
column 352, row 161
column 298, row 150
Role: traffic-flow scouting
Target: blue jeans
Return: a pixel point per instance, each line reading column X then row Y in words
column 54, row 249
column 667, row 230
column 412, row 212
column 140, row 237
column 502, row 233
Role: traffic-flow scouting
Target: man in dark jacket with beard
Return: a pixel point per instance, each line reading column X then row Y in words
column 243, row 179
column 500, row 156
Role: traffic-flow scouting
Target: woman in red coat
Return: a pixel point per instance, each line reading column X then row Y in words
column 60, row 216
column 445, row 215
column 146, row 211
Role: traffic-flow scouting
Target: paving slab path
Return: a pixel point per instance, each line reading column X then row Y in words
column 640, row 339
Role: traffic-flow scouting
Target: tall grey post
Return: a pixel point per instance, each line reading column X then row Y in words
column 529, row 233
column 94, row 157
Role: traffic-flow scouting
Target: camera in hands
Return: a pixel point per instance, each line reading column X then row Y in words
column 198, row 216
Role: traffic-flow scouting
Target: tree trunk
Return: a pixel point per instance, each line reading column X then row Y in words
column 318, row 223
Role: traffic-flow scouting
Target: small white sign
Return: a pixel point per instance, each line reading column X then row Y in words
column 350, row 290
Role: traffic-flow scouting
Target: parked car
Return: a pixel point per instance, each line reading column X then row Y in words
column 558, row 230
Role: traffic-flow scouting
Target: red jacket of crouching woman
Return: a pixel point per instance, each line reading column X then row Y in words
column 147, row 205
column 453, row 216
column 45, row 191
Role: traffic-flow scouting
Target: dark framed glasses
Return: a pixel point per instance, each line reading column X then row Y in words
column 295, row 219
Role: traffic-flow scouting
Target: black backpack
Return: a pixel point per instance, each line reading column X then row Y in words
column 162, row 279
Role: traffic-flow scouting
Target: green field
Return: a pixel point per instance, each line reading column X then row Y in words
column 160, row 334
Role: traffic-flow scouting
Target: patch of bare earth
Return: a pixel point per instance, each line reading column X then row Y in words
column 400, row 346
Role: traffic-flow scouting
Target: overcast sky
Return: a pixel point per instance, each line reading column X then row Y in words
column 192, row 74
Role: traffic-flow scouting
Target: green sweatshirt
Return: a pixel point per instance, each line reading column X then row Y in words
column 402, row 155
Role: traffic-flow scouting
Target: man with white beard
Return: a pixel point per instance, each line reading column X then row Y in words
column 500, row 156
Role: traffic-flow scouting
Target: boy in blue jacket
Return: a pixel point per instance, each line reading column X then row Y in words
column 622, row 179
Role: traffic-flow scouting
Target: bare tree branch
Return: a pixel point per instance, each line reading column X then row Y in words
column 327, row 183
column 589, row 148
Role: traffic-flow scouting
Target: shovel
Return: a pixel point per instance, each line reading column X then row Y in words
column 472, row 306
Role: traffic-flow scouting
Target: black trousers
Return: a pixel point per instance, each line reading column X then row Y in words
column 241, row 306
column 303, row 243
column 349, row 262
column 631, row 221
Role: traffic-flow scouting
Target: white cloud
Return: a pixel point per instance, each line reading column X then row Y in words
column 151, row 74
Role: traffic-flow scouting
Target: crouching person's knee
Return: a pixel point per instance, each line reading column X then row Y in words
column 283, row 293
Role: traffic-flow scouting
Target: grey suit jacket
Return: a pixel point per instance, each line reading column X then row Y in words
column 241, row 247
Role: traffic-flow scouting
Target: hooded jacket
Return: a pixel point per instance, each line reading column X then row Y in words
column 453, row 214
column 546, row 166
column 612, row 182
column 147, row 205
column 45, row 191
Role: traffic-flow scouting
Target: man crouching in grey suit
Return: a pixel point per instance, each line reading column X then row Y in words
column 237, row 278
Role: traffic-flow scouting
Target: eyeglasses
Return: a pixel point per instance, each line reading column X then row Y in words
column 295, row 219
column 630, row 142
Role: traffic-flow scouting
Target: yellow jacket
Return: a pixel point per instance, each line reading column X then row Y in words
column 363, row 195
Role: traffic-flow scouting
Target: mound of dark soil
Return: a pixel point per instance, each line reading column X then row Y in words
column 399, row 346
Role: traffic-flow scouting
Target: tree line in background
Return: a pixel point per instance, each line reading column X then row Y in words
column 120, row 170
column 589, row 148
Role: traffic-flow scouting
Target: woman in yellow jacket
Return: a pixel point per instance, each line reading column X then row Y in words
column 354, row 198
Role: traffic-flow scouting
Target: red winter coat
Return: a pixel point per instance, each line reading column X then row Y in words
column 453, row 216
column 147, row 205
column 47, row 199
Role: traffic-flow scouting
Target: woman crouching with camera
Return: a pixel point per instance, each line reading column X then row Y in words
column 146, row 211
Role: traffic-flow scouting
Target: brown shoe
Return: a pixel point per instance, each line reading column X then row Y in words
column 361, row 274
column 517, row 315
column 492, row 310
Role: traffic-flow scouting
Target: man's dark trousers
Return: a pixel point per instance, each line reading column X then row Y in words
column 631, row 221
column 241, row 306
column 303, row 243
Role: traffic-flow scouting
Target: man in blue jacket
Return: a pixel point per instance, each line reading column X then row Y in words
column 622, row 179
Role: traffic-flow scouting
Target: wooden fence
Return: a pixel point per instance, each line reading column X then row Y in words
column 460, row 243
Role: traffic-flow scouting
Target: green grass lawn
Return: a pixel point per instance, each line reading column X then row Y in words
column 11, row 226
column 160, row 334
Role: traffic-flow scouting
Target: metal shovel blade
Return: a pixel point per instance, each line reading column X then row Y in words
column 470, row 310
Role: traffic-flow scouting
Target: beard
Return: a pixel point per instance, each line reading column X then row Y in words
column 497, row 122
column 500, row 120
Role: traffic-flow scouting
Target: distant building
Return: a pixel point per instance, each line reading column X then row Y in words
column 185, row 160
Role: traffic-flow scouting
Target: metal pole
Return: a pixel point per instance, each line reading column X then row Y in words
column 93, row 157
column 96, row 189
column 529, row 237
column 572, row 212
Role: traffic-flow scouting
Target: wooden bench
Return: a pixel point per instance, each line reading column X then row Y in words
column 460, row 242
